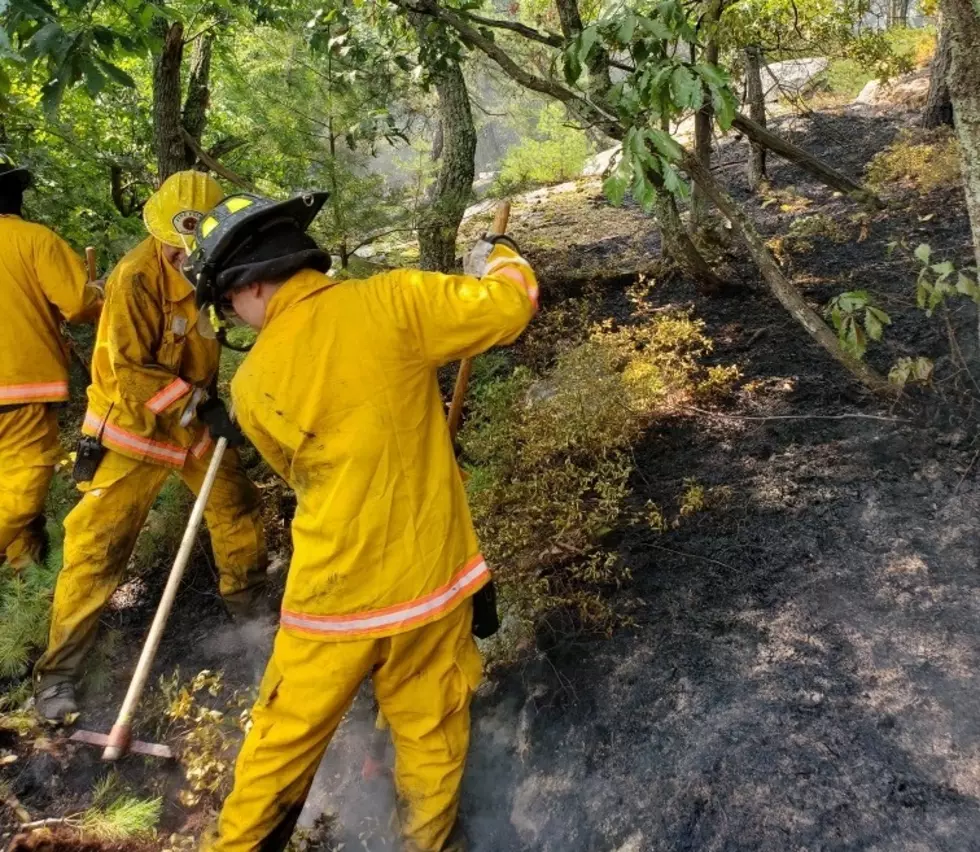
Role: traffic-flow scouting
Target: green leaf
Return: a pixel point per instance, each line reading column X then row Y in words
column 880, row 315
column 725, row 106
column 852, row 300
column 967, row 286
column 873, row 326
column 685, row 88
column 923, row 252
column 94, row 79
column 642, row 190
column 115, row 73
column 615, row 185
column 586, row 41
column 665, row 144
column 6, row 48
column 712, row 75
column 626, row 29
column 854, row 338
column 943, row 269
column 655, row 27
column 673, row 181
column 49, row 41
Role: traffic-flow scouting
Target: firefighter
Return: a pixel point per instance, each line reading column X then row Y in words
column 42, row 281
column 340, row 396
column 152, row 410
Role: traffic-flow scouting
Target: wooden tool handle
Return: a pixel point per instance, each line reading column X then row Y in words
column 500, row 218
column 455, row 416
column 93, row 273
column 121, row 733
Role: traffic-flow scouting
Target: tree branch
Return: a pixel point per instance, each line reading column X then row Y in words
column 214, row 165
column 472, row 38
column 550, row 39
column 796, row 155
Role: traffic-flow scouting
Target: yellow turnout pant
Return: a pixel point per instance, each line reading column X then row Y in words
column 29, row 450
column 423, row 680
column 101, row 531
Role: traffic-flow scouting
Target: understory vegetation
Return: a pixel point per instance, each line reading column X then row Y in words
column 548, row 451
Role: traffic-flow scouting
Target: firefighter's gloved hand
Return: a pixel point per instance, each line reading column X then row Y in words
column 214, row 415
column 475, row 261
column 197, row 397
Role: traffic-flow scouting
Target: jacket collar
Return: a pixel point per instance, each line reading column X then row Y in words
column 176, row 288
column 302, row 285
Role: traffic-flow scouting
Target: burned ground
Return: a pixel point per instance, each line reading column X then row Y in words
column 801, row 667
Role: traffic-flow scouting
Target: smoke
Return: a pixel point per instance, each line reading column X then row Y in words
column 243, row 646
column 504, row 808
column 362, row 810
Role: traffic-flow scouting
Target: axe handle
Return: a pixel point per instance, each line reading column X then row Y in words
column 93, row 273
column 455, row 415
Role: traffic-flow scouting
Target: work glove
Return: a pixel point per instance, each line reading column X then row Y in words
column 198, row 396
column 475, row 260
column 215, row 416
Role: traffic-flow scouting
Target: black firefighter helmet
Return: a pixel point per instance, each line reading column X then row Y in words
column 247, row 238
column 12, row 174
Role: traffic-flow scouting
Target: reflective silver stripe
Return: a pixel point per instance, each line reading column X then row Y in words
column 409, row 612
column 33, row 391
column 162, row 400
column 152, row 449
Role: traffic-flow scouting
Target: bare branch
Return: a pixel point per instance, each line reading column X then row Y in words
column 550, row 39
column 214, row 165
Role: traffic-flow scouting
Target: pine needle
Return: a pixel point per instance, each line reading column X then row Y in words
column 127, row 817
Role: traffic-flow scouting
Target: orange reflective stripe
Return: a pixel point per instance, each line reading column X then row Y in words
column 168, row 453
column 468, row 579
column 202, row 446
column 36, row 390
column 168, row 396
column 511, row 268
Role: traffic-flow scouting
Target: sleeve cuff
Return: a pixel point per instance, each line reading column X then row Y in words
column 173, row 392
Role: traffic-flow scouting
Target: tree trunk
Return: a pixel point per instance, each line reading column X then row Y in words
column 449, row 195
column 598, row 64
column 796, row 155
column 898, row 13
column 677, row 244
column 787, row 294
column 437, row 144
column 939, row 109
column 198, row 95
column 704, row 119
column 167, row 135
column 757, row 111
column 963, row 22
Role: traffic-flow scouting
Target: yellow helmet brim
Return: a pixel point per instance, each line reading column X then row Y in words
column 172, row 213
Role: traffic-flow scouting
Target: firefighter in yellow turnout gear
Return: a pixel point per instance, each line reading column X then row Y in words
column 340, row 396
column 41, row 281
column 155, row 359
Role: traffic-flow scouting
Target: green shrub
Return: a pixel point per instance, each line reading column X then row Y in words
column 554, row 154
column 920, row 160
column 550, row 458
column 906, row 48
